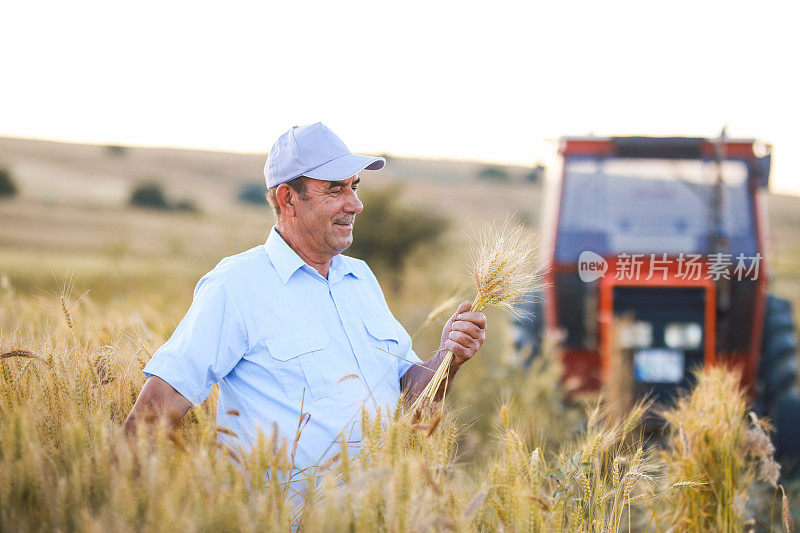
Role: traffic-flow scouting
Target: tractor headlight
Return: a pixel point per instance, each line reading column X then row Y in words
column 683, row 335
column 638, row 334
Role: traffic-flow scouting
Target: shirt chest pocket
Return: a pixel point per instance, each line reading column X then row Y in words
column 385, row 341
column 298, row 358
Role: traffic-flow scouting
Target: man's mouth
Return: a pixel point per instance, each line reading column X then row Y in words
column 344, row 224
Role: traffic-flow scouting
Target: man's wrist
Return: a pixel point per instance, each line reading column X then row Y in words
column 454, row 365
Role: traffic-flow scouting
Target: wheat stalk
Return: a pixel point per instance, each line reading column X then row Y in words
column 437, row 312
column 506, row 265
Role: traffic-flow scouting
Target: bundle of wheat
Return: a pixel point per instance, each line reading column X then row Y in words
column 507, row 265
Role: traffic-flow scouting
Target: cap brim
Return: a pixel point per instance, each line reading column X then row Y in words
column 345, row 166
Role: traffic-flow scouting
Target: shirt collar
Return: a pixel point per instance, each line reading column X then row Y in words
column 340, row 267
column 286, row 261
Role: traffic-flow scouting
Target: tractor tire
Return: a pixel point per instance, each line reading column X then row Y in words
column 787, row 430
column 778, row 396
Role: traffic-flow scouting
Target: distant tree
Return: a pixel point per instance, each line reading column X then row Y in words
column 116, row 150
column 190, row 206
column 253, row 193
column 149, row 194
column 493, row 173
column 7, row 186
column 387, row 231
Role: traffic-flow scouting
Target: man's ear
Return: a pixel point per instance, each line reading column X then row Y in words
column 286, row 198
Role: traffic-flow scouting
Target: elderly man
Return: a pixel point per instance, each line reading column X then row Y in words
column 292, row 326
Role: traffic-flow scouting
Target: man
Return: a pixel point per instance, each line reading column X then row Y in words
column 294, row 327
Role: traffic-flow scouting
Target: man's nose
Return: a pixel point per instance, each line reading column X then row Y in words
column 353, row 204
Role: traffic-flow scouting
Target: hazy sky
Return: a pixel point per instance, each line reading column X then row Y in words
column 489, row 80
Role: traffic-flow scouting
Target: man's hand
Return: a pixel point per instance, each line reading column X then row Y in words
column 463, row 333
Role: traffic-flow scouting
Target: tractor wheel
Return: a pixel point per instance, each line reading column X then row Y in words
column 778, row 395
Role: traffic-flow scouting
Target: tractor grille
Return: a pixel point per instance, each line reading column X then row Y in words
column 660, row 307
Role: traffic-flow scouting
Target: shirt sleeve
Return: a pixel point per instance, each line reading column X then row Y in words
column 205, row 346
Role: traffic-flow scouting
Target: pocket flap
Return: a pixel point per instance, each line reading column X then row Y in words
column 296, row 342
column 382, row 328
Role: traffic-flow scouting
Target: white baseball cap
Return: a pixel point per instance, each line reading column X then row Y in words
column 314, row 151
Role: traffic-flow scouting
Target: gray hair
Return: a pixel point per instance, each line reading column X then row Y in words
column 298, row 185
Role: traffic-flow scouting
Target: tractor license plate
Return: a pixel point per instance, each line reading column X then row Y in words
column 658, row 365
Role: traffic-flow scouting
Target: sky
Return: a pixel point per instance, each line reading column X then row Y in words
column 493, row 81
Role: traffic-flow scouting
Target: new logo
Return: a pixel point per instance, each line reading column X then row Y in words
column 591, row 266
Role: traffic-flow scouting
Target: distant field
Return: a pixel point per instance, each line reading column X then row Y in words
column 73, row 199
column 93, row 176
column 72, row 209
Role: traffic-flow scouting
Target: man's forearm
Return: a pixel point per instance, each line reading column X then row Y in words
column 158, row 402
column 417, row 377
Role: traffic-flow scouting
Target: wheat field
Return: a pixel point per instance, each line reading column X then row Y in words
column 76, row 370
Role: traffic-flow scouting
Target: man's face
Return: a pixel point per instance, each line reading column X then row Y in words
column 326, row 218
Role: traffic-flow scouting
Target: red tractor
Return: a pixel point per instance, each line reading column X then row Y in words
column 670, row 233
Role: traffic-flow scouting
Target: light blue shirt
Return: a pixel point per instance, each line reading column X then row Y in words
column 274, row 334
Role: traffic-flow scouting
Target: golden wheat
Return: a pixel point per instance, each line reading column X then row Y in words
column 66, row 465
column 507, row 264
